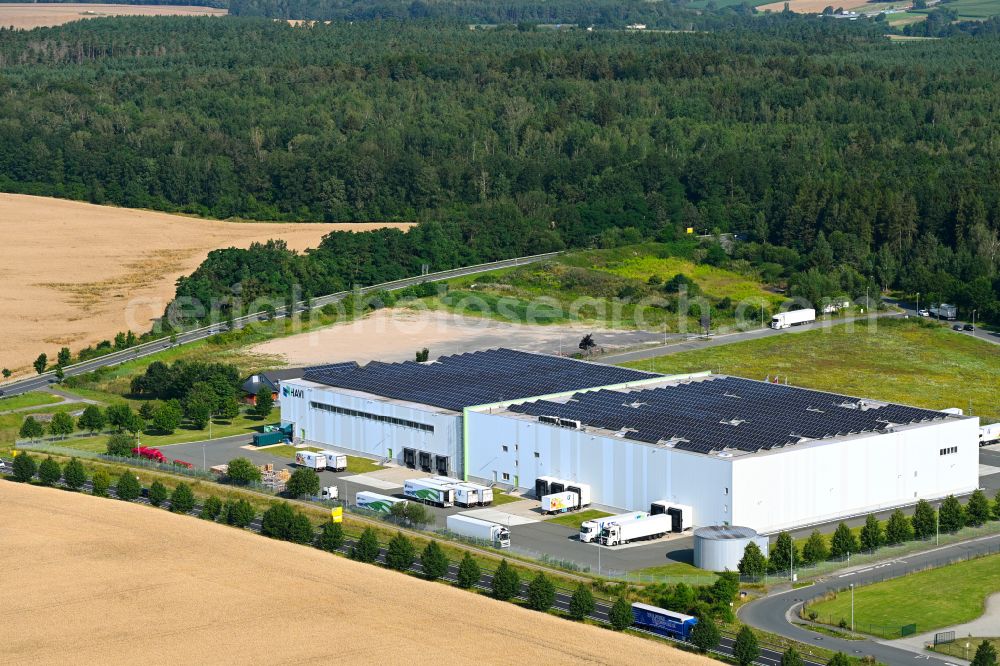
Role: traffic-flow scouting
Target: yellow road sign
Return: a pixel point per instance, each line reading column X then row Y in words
column 337, row 514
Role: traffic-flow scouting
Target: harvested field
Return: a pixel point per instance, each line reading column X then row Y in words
column 396, row 334
column 92, row 580
column 38, row 15
column 74, row 274
column 809, row 6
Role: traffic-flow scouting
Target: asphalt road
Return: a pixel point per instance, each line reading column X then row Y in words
column 768, row 657
column 18, row 387
column 771, row 613
column 701, row 342
column 987, row 335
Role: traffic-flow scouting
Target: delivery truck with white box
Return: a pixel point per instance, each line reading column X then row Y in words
column 474, row 528
column 590, row 530
column 626, row 531
column 793, row 318
column 310, row 459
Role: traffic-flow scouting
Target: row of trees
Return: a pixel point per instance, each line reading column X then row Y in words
column 924, row 524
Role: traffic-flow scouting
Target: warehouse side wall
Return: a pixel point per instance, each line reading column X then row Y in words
column 621, row 473
column 807, row 484
column 307, row 407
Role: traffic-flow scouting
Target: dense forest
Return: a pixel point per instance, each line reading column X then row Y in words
column 813, row 135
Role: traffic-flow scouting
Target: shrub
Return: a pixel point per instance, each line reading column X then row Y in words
column 469, row 572
column 212, row 507
column 128, row 487
column 49, row 472
column 400, row 553
column 433, row 561
column 366, row 548
column 506, row 582
column 100, row 483
column 242, row 472
column 182, row 499
column 581, row 604
column 705, row 634
column 277, row 521
column 74, row 474
column 331, row 537
column 746, row 649
column 239, row 513
column 620, row 615
column 304, row 481
column 541, row 593
column 24, row 467
column 157, row 493
column 120, row 445
column 301, row 530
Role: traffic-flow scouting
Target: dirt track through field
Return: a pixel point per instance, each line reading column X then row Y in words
column 37, row 15
column 89, row 580
column 74, row 274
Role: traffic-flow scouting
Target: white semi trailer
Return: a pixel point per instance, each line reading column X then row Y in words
column 793, row 318
column 430, row 491
column 474, row 528
column 682, row 514
column 376, row 502
column 626, row 531
column 335, row 461
column 560, row 502
column 590, row 530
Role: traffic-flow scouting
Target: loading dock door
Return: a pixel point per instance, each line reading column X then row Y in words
column 441, row 465
column 410, row 458
column 556, row 487
column 425, row 461
column 541, row 488
column 676, row 522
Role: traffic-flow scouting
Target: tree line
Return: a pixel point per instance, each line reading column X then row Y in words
column 925, row 523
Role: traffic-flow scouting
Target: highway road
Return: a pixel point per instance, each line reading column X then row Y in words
column 772, row 612
column 768, row 657
column 18, row 387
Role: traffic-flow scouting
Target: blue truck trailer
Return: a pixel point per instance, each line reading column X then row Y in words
column 663, row 622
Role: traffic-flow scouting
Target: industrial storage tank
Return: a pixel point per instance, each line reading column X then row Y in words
column 720, row 547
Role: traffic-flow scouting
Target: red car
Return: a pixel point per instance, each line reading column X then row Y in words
column 149, row 453
column 183, row 463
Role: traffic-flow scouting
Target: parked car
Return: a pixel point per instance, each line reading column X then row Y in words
column 968, row 327
column 956, row 327
column 924, row 313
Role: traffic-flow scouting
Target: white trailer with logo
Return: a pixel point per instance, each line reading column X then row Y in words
column 560, row 502
column 375, row 502
column 310, row 459
column 335, row 461
column 430, row 491
column 484, row 493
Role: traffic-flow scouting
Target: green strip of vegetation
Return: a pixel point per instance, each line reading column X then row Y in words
column 574, row 519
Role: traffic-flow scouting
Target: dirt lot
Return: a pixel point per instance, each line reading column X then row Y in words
column 36, row 15
column 91, row 580
column 396, row 334
column 74, row 274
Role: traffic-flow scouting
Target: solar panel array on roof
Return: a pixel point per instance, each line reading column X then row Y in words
column 475, row 378
column 727, row 413
column 334, row 367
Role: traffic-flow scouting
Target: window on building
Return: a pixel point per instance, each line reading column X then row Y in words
column 948, row 451
column 727, row 490
column 537, row 454
column 505, row 448
column 506, row 476
column 343, row 411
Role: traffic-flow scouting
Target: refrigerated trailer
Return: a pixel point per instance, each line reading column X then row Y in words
column 335, row 461
column 475, row 528
column 376, row 502
column 311, row 460
column 430, row 491
column 626, row 531
column 466, row 496
column 793, row 318
column 560, row 502
column 662, row 621
column 590, row 530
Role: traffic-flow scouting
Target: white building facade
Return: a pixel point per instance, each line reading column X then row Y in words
column 768, row 491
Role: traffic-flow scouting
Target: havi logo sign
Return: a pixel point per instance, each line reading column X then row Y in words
column 292, row 392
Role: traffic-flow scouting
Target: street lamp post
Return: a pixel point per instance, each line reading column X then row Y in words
column 918, row 303
column 852, row 608
column 973, row 323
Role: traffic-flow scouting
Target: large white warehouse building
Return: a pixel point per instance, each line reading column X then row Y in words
column 737, row 451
